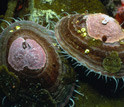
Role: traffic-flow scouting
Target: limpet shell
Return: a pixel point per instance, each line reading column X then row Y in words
column 29, row 51
column 95, row 41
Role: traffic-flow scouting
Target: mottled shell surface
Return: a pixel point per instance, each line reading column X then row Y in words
column 94, row 40
column 30, row 52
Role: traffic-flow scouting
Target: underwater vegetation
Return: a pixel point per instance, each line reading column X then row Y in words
column 49, row 12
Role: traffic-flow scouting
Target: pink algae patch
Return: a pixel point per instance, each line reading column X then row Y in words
column 26, row 53
column 104, row 28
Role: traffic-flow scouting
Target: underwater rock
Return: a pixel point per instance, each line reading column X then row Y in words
column 94, row 97
column 30, row 52
column 95, row 41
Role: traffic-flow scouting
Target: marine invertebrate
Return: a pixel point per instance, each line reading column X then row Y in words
column 95, row 41
column 29, row 51
column 120, row 14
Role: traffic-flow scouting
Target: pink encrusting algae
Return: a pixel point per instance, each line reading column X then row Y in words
column 120, row 14
column 24, row 53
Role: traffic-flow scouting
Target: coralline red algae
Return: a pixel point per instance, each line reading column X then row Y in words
column 104, row 28
column 24, row 53
column 95, row 41
column 30, row 52
column 120, row 14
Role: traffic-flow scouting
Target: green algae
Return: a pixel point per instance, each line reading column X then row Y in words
column 55, row 10
column 60, row 7
column 9, row 82
column 68, row 77
column 34, row 95
column 94, row 42
column 80, row 6
column 112, row 63
column 94, row 98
